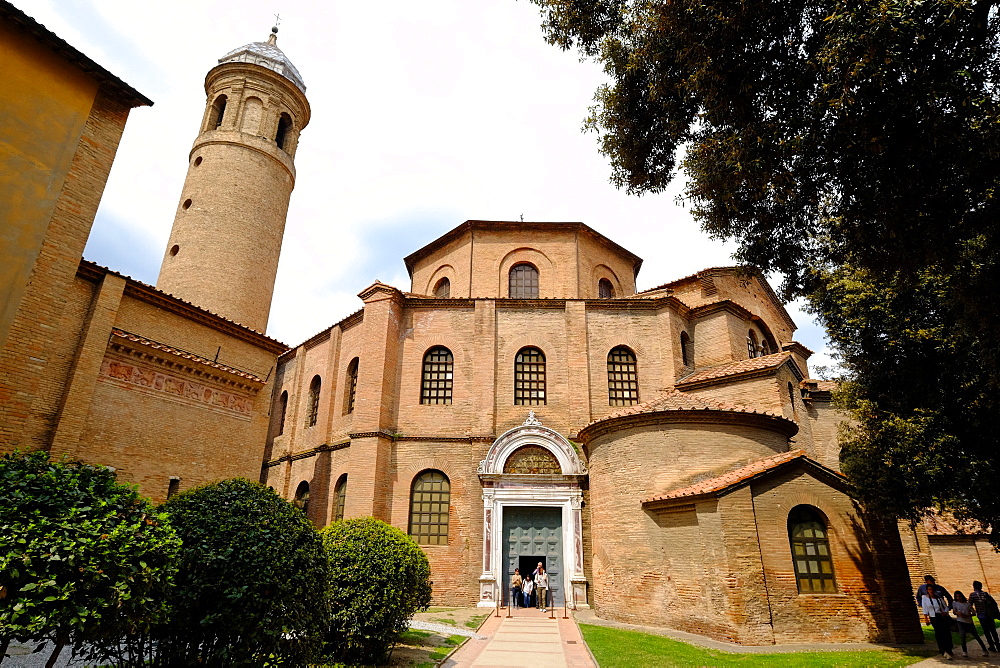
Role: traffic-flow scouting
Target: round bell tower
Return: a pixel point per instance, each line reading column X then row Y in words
column 223, row 249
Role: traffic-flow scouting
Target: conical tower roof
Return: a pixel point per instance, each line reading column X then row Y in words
column 266, row 54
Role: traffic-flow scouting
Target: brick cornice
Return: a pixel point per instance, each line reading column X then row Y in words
column 305, row 454
column 697, row 416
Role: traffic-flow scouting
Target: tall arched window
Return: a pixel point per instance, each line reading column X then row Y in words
column 791, row 396
column 312, row 406
column 430, row 499
column 352, row 385
column 218, row 113
column 340, row 493
column 523, row 282
column 605, row 290
column 529, row 378
column 282, row 410
column 752, row 344
column 810, row 551
column 443, row 289
column 436, row 382
column 284, row 125
column 302, row 497
column 687, row 350
column 623, row 379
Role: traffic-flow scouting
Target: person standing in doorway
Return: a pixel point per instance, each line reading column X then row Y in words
column 986, row 609
column 515, row 588
column 541, row 586
column 936, row 614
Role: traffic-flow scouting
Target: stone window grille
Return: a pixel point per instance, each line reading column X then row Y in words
column 352, row 385
column 282, row 411
column 438, row 376
column 529, row 378
column 810, row 551
column 340, row 492
column 443, row 289
column 605, row 290
column 302, row 497
column 752, row 344
column 312, row 406
column 430, row 499
column 623, row 379
column 523, row 282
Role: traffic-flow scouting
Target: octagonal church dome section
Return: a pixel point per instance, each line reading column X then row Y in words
column 267, row 54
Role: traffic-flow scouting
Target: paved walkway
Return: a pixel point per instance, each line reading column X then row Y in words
column 527, row 639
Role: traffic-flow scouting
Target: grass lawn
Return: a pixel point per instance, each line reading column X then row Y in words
column 631, row 649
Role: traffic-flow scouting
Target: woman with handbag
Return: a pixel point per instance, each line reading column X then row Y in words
column 963, row 613
column 936, row 614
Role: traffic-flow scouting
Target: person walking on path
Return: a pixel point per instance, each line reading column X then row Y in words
column 936, row 614
column 527, row 587
column 963, row 614
column 929, row 583
column 515, row 588
column 542, row 586
column 986, row 610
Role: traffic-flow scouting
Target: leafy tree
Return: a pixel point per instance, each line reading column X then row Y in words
column 853, row 146
column 252, row 580
column 379, row 577
column 83, row 559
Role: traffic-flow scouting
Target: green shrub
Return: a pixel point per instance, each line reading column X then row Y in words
column 83, row 559
column 252, row 579
column 379, row 578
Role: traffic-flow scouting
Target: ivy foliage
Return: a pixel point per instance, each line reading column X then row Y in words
column 251, row 582
column 83, row 559
column 854, row 147
column 379, row 577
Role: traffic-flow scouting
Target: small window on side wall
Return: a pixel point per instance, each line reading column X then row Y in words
column 438, row 376
column 301, row 500
column 284, row 126
column 687, row 350
column 523, row 282
column 352, row 386
column 282, row 411
column 443, row 289
column 312, row 405
column 752, row 344
column 605, row 290
column 807, row 533
column 623, row 379
column 340, row 493
column 218, row 113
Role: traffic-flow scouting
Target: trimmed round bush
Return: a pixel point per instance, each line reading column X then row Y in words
column 379, row 577
column 83, row 558
column 252, row 579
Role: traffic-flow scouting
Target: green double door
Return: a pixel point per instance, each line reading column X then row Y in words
column 533, row 534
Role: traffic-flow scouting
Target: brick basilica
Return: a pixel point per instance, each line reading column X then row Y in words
column 664, row 452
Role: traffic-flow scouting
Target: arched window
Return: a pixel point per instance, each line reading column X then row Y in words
column 765, row 347
column 312, row 407
column 352, row 385
column 443, row 289
column 284, row 125
column 340, row 493
column 605, row 290
column 218, row 113
column 623, row 380
column 302, row 497
column 523, row 282
column 529, row 377
column 282, row 410
column 436, row 383
column 430, row 499
column 687, row 350
column 752, row 344
column 791, row 396
column 810, row 551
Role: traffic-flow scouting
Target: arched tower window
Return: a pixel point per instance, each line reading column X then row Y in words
column 430, row 499
column 217, row 114
column 623, row 379
column 437, row 379
column 523, row 282
column 284, row 125
column 340, row 493
column 443, row 289
column 312, row 404
column 810, row 551
column 302, row 497
column 352, row 385
column 687, row 350
column 282, row 410
column 765, row 347
column 605, row 290
column 529, row 377
column 752, row 344
column 791, row 396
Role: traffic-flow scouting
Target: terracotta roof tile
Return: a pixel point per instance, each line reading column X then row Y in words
column 674, row 400
column 944, row 524
column 731, row 478
column 198, row 359
column 736, row 368
column 822, row 385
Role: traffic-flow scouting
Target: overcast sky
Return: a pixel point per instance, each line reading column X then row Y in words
column 424, row 115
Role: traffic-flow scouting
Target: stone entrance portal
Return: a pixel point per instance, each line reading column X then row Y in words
column 532, row 497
